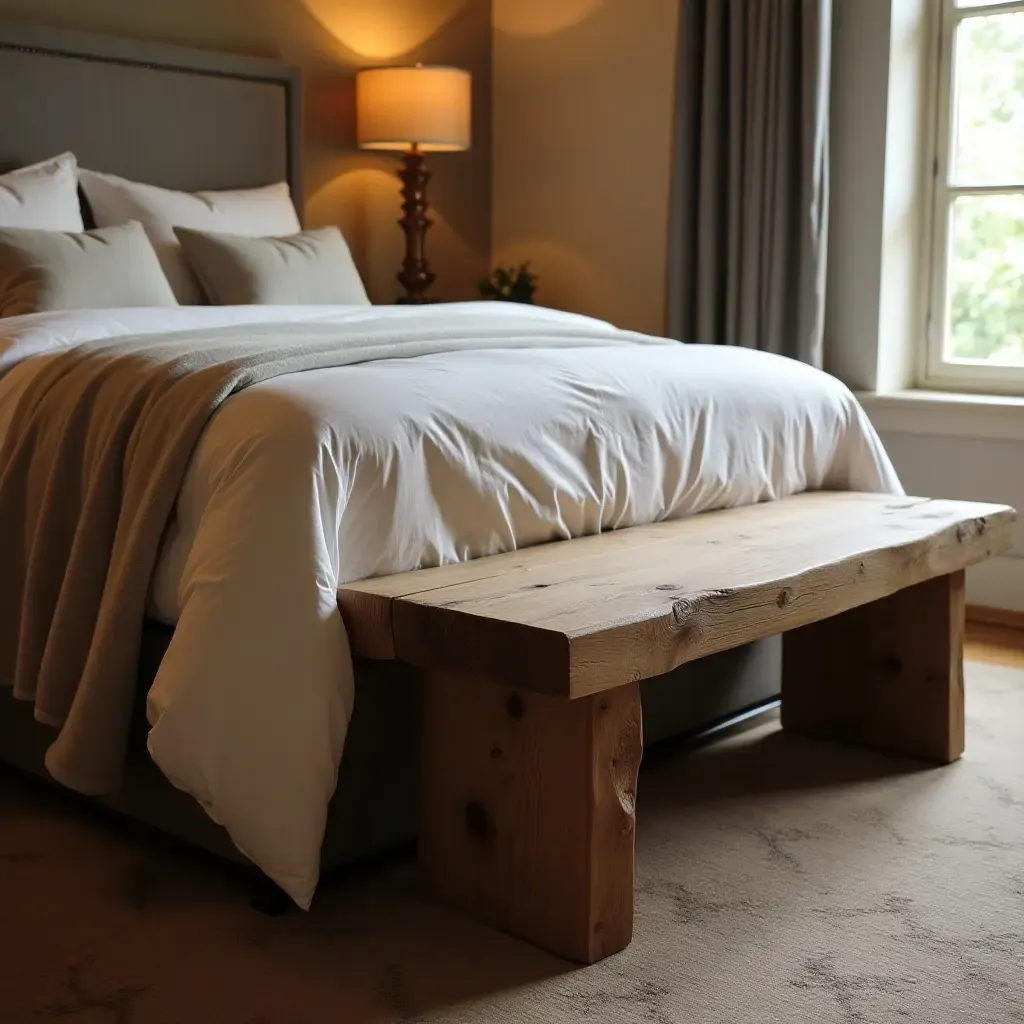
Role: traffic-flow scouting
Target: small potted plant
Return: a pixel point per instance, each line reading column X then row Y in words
column 509, row 284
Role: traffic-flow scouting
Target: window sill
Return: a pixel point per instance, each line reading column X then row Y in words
column 946, row 414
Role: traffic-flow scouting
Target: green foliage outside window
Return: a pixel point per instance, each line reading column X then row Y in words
column 986, row 269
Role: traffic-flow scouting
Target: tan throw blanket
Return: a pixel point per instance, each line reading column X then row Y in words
column 89, row 473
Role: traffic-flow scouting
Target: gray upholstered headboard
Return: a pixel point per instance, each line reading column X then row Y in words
column 180, row 118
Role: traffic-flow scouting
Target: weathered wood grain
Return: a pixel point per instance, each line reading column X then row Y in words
column 887, row 675
column 527, row 810
column 579, row 617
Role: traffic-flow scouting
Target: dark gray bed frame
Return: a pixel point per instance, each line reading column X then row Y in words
column 190, row 119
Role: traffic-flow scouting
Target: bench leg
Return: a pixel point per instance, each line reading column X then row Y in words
column 527, row 810
column 887, row 675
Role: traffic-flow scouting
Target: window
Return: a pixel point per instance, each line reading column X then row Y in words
column 975, row 315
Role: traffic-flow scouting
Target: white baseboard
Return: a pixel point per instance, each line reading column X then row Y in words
column 997, row 583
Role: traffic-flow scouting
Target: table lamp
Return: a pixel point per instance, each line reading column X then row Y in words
column 414, row 110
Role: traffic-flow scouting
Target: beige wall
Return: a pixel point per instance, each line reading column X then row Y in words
column 329, row 39
column 583, row 109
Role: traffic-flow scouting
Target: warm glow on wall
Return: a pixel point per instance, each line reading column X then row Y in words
column 361, row 199
column 383, row 29
column 542, row 17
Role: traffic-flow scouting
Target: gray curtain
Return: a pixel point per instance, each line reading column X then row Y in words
column 749, row 230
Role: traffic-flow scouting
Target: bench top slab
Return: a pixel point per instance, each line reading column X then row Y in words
column 576, row 617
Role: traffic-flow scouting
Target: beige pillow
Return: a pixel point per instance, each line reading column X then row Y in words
column 313, row 268
column 115, row 267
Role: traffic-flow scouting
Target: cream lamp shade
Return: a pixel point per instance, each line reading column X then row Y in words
column 426, row 108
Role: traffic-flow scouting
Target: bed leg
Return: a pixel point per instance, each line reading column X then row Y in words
column 528, row 810
column 887, row 675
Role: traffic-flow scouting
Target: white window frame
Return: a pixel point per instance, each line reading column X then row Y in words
column 937, row 372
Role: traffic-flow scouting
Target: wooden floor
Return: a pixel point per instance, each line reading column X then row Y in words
column 998, row 645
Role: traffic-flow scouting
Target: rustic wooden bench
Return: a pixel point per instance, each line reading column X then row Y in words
column 531, row 735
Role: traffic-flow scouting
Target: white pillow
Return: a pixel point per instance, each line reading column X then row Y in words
column 254, row 212
column 43, row 197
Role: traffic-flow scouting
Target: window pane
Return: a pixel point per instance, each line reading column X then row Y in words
column 986, row 280
column 989, row 101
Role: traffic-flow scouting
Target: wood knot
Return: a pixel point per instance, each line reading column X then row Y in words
column 970, row 530
column 515, row 706
column 682, row 613
column 783, row 599
column 892, row 663
column 496, row 752
column 478, row 821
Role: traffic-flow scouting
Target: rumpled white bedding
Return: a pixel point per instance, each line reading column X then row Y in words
column 313, row 479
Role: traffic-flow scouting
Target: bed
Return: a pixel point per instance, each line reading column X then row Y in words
column 379, row 467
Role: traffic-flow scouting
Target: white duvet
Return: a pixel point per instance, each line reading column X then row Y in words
column 313, row 479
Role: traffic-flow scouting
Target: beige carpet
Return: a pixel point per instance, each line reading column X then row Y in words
column 779, row 880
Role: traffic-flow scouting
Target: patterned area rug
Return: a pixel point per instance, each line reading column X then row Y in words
column 779, row 880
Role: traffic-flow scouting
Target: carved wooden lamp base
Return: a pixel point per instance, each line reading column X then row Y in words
column 416, row 276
